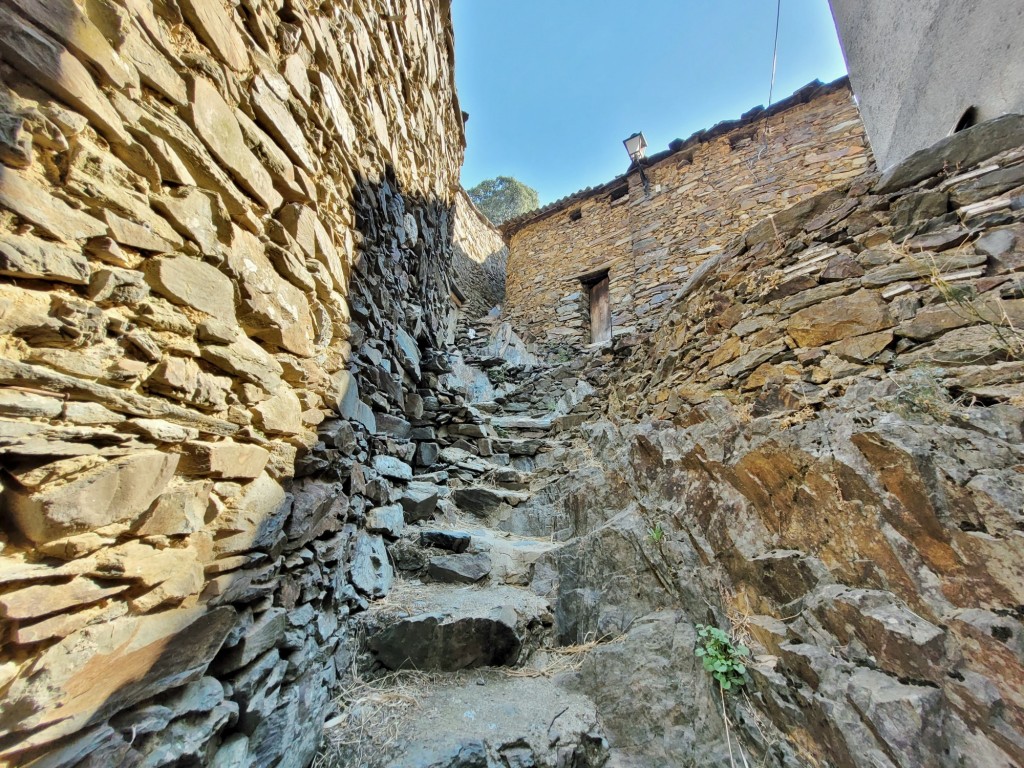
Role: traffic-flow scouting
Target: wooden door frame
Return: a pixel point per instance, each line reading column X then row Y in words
column 590, row 281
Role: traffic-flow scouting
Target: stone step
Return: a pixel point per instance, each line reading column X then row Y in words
column 441, row 627
column 511, row 557
column 525, row 423
column 480, row 501
column 484, row 720
column 521, row 446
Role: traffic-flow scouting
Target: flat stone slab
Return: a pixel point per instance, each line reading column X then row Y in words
column 481, row 501
column 486, row 720
column 467, row 568
column 541, row 424
column 453, row 541
column 438, row 627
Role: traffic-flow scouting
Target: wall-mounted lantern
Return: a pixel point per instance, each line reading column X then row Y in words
column 636, row 146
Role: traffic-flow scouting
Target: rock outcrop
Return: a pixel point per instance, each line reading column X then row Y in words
column 819, row 451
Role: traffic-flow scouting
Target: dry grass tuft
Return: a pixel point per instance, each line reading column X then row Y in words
column 555, row 661
column 372, row 712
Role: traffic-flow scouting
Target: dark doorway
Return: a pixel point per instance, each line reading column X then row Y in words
column 600, row 311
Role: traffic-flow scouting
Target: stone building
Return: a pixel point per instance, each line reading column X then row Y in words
column 636, row 244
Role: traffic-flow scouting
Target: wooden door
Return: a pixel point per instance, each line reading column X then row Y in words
column 600, row 312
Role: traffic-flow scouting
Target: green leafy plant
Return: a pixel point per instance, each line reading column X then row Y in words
column 498, row 375
column 656, row 534
column 726, row 662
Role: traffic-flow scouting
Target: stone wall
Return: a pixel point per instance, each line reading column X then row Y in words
column 225, row 248
column 702, row 193
column 827, row 430
column 480, row 259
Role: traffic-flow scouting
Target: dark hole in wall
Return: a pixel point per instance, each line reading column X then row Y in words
column 576, row 215
column 967, row 119
column 617, row 193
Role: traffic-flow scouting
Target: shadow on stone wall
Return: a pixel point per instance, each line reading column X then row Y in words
column 243, row 670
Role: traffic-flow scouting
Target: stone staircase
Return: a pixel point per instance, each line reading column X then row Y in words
column 460, row 638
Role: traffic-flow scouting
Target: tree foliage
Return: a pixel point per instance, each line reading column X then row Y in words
column 503, row 198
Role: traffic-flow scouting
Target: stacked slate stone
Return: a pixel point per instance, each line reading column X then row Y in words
column 821, row 452
column 225, row 249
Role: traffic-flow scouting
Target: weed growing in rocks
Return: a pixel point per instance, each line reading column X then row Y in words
column 656, row 534
column 498, row 375
column 725, row 661
column 920, row 392
column 961, row 299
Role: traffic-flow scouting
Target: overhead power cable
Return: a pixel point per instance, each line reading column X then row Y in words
column 771, row 86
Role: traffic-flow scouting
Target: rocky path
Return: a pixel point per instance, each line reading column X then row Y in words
column 459, row 662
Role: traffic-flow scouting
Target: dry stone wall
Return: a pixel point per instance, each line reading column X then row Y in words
column 702, row 193
column 225, row 249
column 827, row 430
column 481, row 257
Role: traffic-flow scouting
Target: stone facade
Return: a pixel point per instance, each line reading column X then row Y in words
column 481, row 257
column 225, row 249
column 702, row 193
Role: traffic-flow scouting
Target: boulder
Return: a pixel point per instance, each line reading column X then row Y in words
column 459, row 630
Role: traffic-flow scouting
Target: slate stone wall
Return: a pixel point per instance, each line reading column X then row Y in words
column 701, row 194
column 481, row 257
column 828, row 428
column 225, row 255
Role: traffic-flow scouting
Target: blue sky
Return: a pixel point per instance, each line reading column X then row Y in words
column 552, row 87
